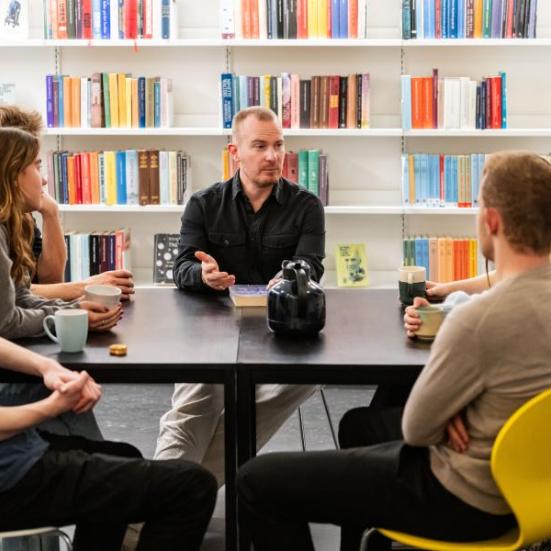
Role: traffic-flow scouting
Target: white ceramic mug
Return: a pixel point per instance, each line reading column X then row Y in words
column 71, row 329
column 108, row 295
column 432, row 318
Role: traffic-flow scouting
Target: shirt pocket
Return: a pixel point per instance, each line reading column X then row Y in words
column 277, row 248
column 228, row 249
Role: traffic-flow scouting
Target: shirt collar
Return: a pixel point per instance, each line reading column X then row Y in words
column 279, row 193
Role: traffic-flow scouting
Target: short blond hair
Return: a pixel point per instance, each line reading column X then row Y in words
column 259, row 113
column 518, row 185
column 16, row 117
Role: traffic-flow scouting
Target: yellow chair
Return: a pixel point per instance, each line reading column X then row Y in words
column 521, row 466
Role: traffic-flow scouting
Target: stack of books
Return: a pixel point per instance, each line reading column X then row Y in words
column 110, row 19
column 469, row 18
column 108, row 100
column 441, row 180
column 454, row 102
column 128, row 177
column 273, row 19
column 308, row 167
column 445, row 258
column 93, row 253
column 329, row 101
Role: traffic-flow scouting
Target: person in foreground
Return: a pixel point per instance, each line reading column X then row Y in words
column 48, row 245
column 99, row 486
column 240, row 231
column 490, row 356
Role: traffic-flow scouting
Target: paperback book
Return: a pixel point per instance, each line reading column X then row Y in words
column 351, row 261
column 165, row 251
column 244, row 296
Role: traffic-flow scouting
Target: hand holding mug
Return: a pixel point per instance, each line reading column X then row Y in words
column 100, row 317
column 211, row 274
column 412, row 321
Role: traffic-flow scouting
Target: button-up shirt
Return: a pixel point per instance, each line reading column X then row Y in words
column 220, row 221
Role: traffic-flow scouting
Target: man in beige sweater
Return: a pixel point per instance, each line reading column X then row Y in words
column 490, row 356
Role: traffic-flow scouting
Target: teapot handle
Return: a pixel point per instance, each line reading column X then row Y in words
column 302, row 291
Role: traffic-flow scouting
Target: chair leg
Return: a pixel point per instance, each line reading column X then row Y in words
column 364, row 543
column 66, row 539
column 301, row 428
column 329, row 420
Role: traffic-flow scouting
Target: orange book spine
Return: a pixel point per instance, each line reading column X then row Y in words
column 255, row 25
column 428, row 111
column 246, row 18
column 302, row 18
column 478, row 7
column 67, row 104
column 352, row 18
column 61, row 19
column 449, row 259
column 85, row 178
column 322, row 18
column 225, row 164
column 433, row 259
column 351, row 102
column 441, row 270
column 75, row 102
column 417, row 118
column 94, row 178
column 71, row 183
column 457, row 259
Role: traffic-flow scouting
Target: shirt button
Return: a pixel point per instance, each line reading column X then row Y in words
column 226, row 242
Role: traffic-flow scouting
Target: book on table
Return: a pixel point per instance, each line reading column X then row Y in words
column 249, row 295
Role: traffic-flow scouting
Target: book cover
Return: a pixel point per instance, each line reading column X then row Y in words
column 165, row 251
column 351, row 262
column 244, row 296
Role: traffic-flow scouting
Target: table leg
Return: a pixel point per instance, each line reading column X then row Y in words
column 230, row 459
column 246, row 433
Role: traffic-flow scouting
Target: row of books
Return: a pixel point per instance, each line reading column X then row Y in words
column 96, row 252
column 109, row 19
column 329, row 101
column 127, row 177
column 441, row 180
column 445, row 258
column 469, row 18
column 307, row 167
column 289, row 19
column 108, row 100
column 454, row 102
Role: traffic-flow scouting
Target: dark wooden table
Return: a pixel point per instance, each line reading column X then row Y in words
column 172, row 337
column 363, row 342
column 179, row 337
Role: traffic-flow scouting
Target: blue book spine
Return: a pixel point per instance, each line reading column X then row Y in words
column 419, row 19
column 235, row 94
column 446, row 179
column 50, row 101
column 453, row 18
column 121, row 177
column 406, row 102
column 335, row 19
column 157, row 105
column 461, row 18
column 101, row 172
column 427, row 17
column 121, row 18
column 60, row 104
column 165, row 18
column 503, row 99
column 64, row 189
column 406, row 19
column 444, row 9
column 405, row 180
column 96, row 18
column 455, row 179
column 343, row 16
column 418, row 252
column 227, row 101
column 243, row 92
column 474, row 174
column 141, row 101
column 105, row 19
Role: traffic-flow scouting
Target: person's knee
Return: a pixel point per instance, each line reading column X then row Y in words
column 350, row 424
column 123, row 449
column 253, row 478
column 198, row 484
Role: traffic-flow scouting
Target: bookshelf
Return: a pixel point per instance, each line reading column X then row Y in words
column 365, row 167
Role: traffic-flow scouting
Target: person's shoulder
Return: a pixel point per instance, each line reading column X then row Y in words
column 214, row 191
column 4, row 233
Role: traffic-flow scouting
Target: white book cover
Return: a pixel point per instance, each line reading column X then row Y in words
column 441, row 102
column 262, row 20
column 362, row 18
column 14, row 19
column 163, row 178
column 148, row 9
column 280, row 98
column 114, row 19
column 132, row 179
column 464, row 102
column 452, row 99
column 84, row 103
column 173, row 20
column 227, row 21
column 7, row 93
column 472, row 105
column 157, row 25
column 238, row 18
column 167, row 103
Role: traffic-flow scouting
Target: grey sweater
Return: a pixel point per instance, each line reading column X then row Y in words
column 21, row 312
column 490, row 356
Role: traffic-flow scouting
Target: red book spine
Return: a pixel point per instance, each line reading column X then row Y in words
column 78, row 178
column 352, row 19
column 509, row 23
column 85, row 177
column 495, row 94
column 438, row 17
column 334, row 82
column 87, row 19
column 302, row 18
column 131, row 19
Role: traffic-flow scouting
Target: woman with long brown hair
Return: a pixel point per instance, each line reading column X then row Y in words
column 21, row 312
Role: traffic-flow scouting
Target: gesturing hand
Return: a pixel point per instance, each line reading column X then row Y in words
column 211, row 274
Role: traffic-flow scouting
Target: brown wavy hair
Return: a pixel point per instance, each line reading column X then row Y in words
column 18, row 150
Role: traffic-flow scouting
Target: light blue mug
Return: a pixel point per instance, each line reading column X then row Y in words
column 71, row 329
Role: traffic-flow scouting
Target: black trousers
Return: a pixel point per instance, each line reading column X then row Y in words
column 103, row 486
column 389, row 485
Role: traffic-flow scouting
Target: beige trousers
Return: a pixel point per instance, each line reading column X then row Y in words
column 194, row 428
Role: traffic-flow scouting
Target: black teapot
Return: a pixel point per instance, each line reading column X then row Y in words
column 296, row 304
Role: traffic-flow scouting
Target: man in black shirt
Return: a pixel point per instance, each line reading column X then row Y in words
column 240, row 231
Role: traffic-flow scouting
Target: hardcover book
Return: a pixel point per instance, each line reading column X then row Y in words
column 165, row 251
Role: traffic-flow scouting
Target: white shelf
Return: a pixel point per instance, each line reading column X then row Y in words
column 310, row 43
column 332, row 209
column 488, row 133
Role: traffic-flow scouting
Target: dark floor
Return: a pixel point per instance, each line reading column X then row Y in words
column 131, row 413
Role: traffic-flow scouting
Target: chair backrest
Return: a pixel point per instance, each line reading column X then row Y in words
column 521, row 466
